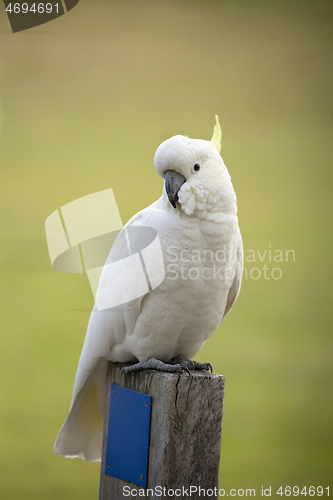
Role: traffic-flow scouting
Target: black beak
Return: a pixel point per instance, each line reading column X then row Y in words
column 173, row 183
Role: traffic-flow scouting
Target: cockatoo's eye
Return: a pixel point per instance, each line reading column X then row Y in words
column 196, row 167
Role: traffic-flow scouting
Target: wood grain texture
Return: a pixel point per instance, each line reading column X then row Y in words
column 186, row 429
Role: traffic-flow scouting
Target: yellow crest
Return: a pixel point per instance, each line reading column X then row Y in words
column 217, row 135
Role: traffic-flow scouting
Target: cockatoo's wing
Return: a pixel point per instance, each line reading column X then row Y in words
column 238, row 269
column 81, row 433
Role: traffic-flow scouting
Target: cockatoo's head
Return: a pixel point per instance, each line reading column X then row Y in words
column 196, row 178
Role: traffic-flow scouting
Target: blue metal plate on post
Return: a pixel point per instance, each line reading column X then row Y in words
column 128, row 435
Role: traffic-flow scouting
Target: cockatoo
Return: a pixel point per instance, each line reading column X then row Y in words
column 197, row 225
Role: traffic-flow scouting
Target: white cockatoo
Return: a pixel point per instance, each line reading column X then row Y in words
column 197, row 226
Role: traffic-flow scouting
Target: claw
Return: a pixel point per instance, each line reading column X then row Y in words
column 124, row 369
column 185, row 368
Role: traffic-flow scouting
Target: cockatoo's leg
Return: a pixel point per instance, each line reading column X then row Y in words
column 191, row 365
column 155, row 364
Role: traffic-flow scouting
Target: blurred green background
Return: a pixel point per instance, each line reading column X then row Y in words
column 86, row 100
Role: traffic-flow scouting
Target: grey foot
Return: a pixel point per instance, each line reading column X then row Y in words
column 192, row 365
column 155, row 364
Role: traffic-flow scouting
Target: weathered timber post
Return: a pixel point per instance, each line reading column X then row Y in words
column 185, row 433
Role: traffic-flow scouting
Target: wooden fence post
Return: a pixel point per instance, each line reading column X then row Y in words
column 185, row 436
